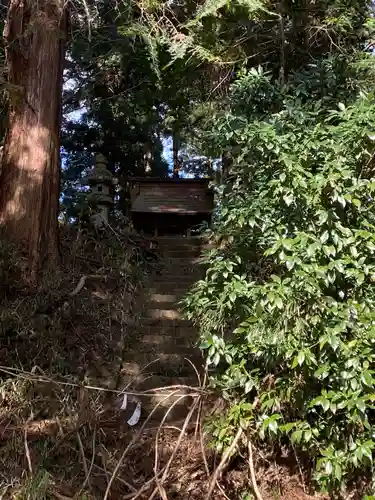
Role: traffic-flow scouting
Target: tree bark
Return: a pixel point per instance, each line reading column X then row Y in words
column 147, row 157
column 226, row 165
column 35, row 34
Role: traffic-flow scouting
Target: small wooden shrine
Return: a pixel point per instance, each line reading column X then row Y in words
column 171, row 205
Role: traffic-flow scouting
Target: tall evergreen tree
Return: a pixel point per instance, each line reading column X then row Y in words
column 35, row 35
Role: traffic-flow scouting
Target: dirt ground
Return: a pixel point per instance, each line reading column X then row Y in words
column 63, row 434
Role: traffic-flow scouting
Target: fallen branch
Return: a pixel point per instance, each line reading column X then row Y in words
column 87, row 472
column 223, row 462
column 82, row 282
column 252, row 473
column 29, row 376
column 27, row 451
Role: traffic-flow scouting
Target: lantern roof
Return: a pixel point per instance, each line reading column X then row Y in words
column 100, row 199
column 100, row 174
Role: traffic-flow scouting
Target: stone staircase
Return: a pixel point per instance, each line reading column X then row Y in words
column 165, row 348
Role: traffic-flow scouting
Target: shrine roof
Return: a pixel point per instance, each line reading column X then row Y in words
column 169, row 180
column 173, row 196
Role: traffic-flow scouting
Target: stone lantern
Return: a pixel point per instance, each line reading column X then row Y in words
column 101, row 182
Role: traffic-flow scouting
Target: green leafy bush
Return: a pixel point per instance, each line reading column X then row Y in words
column 287, row 308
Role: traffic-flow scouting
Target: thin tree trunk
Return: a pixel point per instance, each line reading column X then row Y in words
column 300, row 32
column 226, row 165
column 147, row 156
column 282, row 74
column 210, row 166
column 35, row 35
column 176, row 150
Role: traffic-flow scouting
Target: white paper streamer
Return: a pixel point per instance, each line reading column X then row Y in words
column 134, row 419
column 124, row 402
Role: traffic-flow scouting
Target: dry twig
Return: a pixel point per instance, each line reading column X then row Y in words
column 87, row 479
column 171, row 458
column 223, row 462
column 27, row 451
column 82, row 282
column 120, row 462
column 175, row 403
column 252, row 472
column 29, row 376
column 87, row 472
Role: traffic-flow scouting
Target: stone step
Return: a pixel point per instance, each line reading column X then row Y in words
column 173, row 241
column 167, row 352
column 163, row 323
column 163, row 301
column 181, row 255
column 182, row 282
column 163, row 314
column 182, row 261
column 160, row 363
column 163, row 340
column 168, row 288
column 171, row 330
column 166, row 397
column 179, row 246
column 157, row 381
column 162, row 305
column 193, row 271
column 163, row 298
column 174, row 276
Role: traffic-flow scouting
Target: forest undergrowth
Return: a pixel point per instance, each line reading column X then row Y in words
column 63, row 434
column 62, row 430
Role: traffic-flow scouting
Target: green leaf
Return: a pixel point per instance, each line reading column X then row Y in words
column 248, row 386
column 288, row 199
column 273, row 426
column 294, row 362
column 324, row 237
column 361, row 405
column 354, row 251
column 307, row 435
column 288, row 427
column 367, row 379
column 325, row 404
column 216, row 359
column 296, row 436
column 279, row 302
column 367, row 452
column 222, row 433
column 337, row 472
column 328, row 467
column 289, row 264
column 311, row 249
column 301, row 358
column 322, row 372
column 341, row 200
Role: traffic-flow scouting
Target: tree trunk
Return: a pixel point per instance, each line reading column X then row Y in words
column 300, row 32
column 147, row 157
column 226, row 165
column 176, row 150
column 35, row 35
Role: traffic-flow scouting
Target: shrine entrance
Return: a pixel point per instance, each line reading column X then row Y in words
column 161, row 207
